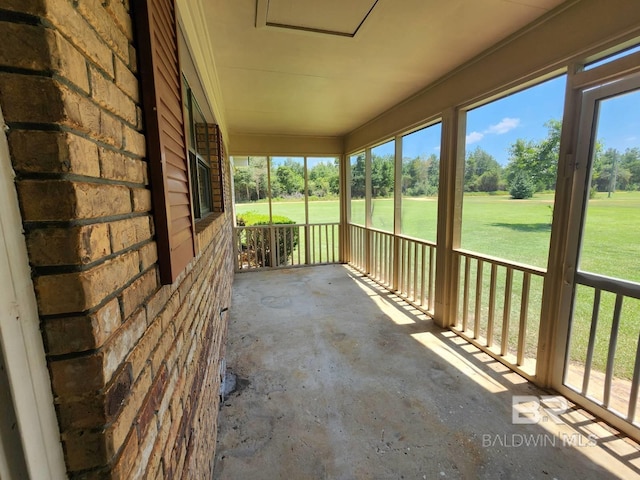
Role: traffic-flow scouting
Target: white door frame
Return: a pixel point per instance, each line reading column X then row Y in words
column 588, row 112
column 21, row 338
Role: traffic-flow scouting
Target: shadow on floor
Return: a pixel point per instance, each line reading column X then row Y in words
column 346, row 380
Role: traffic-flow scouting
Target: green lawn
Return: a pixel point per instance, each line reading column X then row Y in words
column 519, row 230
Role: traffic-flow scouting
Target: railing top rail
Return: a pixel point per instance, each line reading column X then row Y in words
column 420, row 241
column 609, row 284
column 285, row 225
column 377, row 230
column 502, row 262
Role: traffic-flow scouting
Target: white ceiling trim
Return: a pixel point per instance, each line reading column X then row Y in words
column 192, row 17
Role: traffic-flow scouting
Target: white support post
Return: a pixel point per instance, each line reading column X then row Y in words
column 397, row 210
column 345, row 209
column 550, row 357
column 449, row 215
column 368, row 210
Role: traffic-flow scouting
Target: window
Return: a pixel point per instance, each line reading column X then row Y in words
column 382, row 186
column 420, row 182
column 357, row 188
column 510, row 170
column 201, row 152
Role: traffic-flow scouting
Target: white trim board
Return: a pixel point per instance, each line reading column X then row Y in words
column 21, row 339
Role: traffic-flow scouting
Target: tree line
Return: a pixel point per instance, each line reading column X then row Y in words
column 531, row 167
column 287, row 180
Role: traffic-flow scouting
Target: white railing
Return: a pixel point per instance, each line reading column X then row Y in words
column 416, row 271
column 498, row 308
column 411, row 275
column 299, row 244
column 612, row 303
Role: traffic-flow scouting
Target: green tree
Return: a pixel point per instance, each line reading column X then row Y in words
column 538, row 161
column 477, row 164
column 521, row 187
column 290, row 180
column 324, row 179
column 358, row 177
column 250, row 182
column 488, row 181
column 420, row 176
column 382, row 175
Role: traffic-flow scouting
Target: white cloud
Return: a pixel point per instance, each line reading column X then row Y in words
column 437, row 149
column 474, row 137
column 504, row 126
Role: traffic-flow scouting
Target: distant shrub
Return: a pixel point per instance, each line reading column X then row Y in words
column 261, row 244
column 521, row 187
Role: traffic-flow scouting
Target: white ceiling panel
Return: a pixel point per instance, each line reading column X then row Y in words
column 289, row 82
column 326, row 15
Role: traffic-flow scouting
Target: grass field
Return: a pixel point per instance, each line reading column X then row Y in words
column 519, row 230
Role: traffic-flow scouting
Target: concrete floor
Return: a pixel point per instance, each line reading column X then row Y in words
column 339, row 379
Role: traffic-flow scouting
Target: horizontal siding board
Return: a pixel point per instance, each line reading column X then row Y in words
column 181, row 254
column 179, row 198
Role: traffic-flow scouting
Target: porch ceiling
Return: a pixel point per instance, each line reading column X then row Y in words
column 292, row 81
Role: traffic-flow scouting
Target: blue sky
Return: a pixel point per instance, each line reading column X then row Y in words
column 494, row 127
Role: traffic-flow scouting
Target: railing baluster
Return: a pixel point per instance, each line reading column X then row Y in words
column 432, row 251
column 524, row 310
column 465, row 297
column 492, row 304
column 613, row 342
column 377, row 243
column 478, row 304
column 633, row 397
column 592, row 340
column 414, row 290
column 313, row 244
column 326, row 237
column 390, row 259
column 407, row 273
column 423, row 281
column 506, row 312
column 333, row 243
column 382, row 255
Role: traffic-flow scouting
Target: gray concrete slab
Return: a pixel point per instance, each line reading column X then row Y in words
column 340, row 379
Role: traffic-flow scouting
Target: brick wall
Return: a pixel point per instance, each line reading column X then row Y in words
column 134, row 366
column 209, row 145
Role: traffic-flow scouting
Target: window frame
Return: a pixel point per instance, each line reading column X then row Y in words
column 200, row 165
